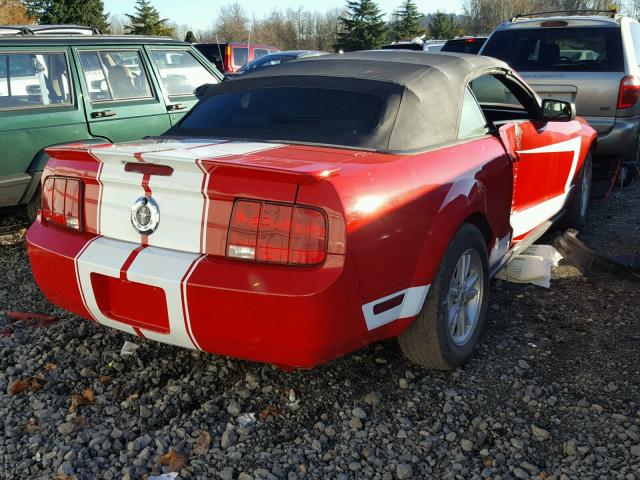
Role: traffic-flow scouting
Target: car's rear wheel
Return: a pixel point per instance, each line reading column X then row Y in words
column 578, row 207
column 448, row 327
column 30, row 209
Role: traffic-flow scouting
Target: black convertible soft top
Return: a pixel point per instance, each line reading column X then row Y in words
column 422, row 94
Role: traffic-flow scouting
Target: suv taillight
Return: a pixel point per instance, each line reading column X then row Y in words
column 629, row 91
column 277, row 233
column 62, row 202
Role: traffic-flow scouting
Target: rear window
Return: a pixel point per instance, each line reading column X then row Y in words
column 240, row 56
column 466, row 45
column 311, row 115
column 403, row 46
column 587, row 49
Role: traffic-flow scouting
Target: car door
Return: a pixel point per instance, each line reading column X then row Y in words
column 179, row 72
column 38, row 107
column 120, row 98
column 545, row 154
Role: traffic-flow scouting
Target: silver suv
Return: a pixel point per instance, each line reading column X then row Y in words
column 589, row 60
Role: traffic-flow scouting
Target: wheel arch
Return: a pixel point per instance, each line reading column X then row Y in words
column 39, row 161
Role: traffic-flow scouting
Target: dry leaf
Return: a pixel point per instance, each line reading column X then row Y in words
column 488, row 462
column 32, row 425
column 174, row 460
column 18, row 386
column 50, row 367
column 81, row 400
column 133, row 396
column 35, row 384
column 270, row 411
column 202, row 443
column 104, row 379
column 542, row 475
column 89, row 395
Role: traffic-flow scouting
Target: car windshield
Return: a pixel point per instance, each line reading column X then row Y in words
column 555, row 49
column 308, row 115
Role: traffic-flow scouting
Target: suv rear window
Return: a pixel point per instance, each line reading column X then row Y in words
column 314, row 115
column 588, row 49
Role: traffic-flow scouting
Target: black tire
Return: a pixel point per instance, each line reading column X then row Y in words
column 630, row 163
column 30, row 210
column 428, row 341
column 578, row 207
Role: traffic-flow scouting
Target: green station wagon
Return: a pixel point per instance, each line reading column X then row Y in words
column 58, row 88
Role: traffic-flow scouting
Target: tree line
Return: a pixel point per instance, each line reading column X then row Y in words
column 361, row 24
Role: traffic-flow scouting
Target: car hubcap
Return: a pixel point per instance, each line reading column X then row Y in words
column 465, row 297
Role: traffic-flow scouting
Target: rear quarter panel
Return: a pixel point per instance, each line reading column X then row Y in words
column 402, row 210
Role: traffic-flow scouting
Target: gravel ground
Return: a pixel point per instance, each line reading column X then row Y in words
column 553, row 392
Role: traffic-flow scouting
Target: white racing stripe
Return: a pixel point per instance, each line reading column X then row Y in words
column 410, row 307
column 157, row 267
column 179, row 196
column 524, row 221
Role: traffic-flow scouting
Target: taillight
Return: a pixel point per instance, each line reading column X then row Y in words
column 277, row 233
column 629, row 91
column 61, row 202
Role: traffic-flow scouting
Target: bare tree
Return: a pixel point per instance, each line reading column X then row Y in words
column 117, row 24
column 482, row 16
column 232, row 24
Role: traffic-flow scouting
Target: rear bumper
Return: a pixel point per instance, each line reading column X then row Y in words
column 616, row 141
column 289, row 316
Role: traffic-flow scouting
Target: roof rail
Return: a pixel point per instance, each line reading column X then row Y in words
column 611, row 12
column 27, row 30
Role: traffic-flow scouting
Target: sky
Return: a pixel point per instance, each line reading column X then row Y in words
column 200, row 14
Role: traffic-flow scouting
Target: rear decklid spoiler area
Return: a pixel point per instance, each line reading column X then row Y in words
column 193, row 183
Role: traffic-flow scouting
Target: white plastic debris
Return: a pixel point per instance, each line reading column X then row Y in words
column 246, row 419
column 544, row 251
column 129, row 348
column 164, row 476
column 532, row 266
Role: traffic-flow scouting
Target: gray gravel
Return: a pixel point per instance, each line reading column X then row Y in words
column 553, row 392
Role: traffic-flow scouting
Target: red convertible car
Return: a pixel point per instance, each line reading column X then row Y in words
column 312, row 208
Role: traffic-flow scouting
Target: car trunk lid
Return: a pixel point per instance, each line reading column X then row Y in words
column 194, row 185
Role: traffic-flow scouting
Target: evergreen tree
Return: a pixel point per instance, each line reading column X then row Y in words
column 37, row 8
column 406, row 22
column 443, row 27
column 88, row 13
column 147, row 21
column 190, row 37
column 363, row 26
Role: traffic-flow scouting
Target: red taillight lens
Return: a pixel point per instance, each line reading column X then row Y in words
column 308, row 236
column 629, row 91
column 61, row 202
column 277, row 233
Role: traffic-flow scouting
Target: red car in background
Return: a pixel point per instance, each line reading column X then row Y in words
column 311, row 208
column 229, row 57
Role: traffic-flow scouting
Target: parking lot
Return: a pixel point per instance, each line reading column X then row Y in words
column 552, row 392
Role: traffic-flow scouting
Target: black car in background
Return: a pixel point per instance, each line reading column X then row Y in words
column 464, row 45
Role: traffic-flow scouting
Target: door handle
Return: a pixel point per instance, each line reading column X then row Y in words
column 103, row 114
column 176, row 106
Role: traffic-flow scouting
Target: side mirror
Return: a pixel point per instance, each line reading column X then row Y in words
column 558, row 110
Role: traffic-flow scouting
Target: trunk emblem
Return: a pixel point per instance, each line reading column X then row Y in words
column 145, row 215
